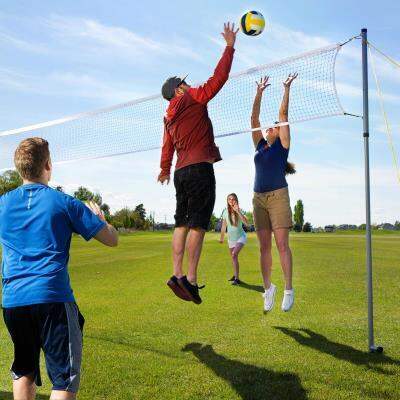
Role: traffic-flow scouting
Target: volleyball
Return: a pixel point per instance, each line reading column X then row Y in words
column 252, row 23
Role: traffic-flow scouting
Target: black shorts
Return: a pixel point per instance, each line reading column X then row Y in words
column 195, row 195
column 56, row 328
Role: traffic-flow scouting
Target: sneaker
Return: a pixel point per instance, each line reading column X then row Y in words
column 269, row 298
column 288, row 300
column 232, row 279
column 236, row 282
column 174, row 286
column 192, row 291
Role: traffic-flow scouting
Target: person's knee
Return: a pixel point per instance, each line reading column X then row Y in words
column 282, row 246
column 265, row 248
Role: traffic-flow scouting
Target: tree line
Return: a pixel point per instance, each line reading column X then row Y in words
column 138, row 218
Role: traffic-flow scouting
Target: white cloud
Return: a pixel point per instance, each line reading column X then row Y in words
column 68, row 84
column 115, row 41
column 7, row 39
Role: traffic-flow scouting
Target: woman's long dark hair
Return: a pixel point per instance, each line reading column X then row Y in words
column 231, row 211
column 290, row 168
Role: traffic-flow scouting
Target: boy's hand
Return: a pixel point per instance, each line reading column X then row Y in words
column 229, row 34
column 94, row 207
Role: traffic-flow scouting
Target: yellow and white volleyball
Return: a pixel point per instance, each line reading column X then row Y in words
column 252, row 23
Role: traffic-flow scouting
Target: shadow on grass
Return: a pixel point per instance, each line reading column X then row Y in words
column 249, row 381
column 9, row 396
column 256, row 288
column 309, row 338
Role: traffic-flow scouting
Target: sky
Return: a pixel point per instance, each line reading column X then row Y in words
column 61, row 57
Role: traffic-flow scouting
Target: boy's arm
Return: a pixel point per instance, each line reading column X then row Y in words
column 204, row 93
column 108, row 235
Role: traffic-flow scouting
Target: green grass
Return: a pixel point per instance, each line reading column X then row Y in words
column 143, row 343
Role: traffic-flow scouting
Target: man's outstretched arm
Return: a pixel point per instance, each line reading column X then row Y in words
column 204, row 93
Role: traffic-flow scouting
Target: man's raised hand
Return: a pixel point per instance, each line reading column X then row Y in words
column 229, row 33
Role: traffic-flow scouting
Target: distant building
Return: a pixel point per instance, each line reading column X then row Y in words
column 329, row 228
column 386, row 227
column 346, row 227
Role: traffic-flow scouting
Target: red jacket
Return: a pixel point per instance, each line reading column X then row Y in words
column 187, row 127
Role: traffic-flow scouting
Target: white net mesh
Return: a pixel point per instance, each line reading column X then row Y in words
column 138, row 125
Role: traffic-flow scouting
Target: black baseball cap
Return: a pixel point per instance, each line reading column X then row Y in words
column 169, row 86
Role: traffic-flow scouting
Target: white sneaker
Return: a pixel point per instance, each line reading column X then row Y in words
column 269, row 297
column 288, row 300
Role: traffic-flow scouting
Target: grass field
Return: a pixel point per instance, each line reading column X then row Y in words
column 141, row 342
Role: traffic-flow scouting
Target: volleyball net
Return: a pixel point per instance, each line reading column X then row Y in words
column 137, row 126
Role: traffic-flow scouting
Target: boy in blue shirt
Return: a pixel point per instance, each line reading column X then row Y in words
column 39, row 309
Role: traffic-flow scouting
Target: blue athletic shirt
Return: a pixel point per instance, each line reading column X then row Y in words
column 270, row 163
column 36, row 225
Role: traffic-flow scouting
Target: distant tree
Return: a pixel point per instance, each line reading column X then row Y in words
column 141, row 211
column 307, row 227
column 397, row 225
column 84, row 194
column 298, row 216
column 9, row 180
column 362, row 227
column 213, row 222
column 59, row 189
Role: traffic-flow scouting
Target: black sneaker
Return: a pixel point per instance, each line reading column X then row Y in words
column 179, row 292
column 236, row 282
column 232, row 279
column 192, row 291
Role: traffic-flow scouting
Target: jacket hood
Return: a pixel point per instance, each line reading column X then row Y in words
column 176, row 105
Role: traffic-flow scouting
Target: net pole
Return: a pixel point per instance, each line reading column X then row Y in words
column 370, row 301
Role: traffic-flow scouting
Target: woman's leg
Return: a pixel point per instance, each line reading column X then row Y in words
column 235, row 258
column 265, row 239
column 285, row 254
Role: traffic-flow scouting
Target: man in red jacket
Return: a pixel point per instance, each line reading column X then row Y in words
column 188, row 131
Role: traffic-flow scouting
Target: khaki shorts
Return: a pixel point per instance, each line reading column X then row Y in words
column 271, row 210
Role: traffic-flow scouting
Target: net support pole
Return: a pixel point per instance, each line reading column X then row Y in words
column 371, row 340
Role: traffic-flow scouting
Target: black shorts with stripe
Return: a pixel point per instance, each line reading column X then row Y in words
column 55, row 328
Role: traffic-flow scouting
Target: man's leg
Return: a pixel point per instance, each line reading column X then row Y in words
column 24, row 388
column 282, row 243
column 194, row 247
column 178, row 249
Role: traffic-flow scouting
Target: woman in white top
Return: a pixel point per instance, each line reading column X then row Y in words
column 233, row 219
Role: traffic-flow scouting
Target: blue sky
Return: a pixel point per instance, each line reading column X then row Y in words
column 60, row 58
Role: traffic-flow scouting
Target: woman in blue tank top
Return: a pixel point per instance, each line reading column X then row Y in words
column 271, row 203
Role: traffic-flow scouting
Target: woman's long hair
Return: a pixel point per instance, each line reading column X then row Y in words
column 290, row 168
column 231, row 210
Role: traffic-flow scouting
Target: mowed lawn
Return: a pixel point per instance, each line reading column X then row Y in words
column 141, row 342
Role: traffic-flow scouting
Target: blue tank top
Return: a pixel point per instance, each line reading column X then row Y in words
column 270, row 163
